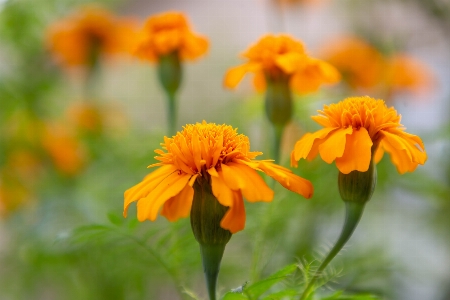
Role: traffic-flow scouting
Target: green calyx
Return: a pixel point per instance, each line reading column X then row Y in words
column 278, row 100
column 206, row 214
column 358, row 186
column 170, row 72
column 170, row 75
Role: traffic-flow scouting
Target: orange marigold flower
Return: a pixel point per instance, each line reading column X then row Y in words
column 65, row 150
column 82, row 36
column 356, row 129
column 273, row 57
column 218, row 154
column 360, row 64
column 168, row 32
column 405, row 73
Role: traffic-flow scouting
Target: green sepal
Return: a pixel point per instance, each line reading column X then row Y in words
column 278, row 100
column 358, row 186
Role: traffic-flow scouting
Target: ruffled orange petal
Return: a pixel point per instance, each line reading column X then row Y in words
column 171, row 185
column 304, row 145
column 193, row 47
column 334, row 144
column 288, row 179
column 379, row 153
column 143, row 188
column 234, row 75
column 259, row 81
column 404, row 151
column 234, row 219
column 180, row 205
column 357, row 153
column 221, row 191
column 240, row 176
column 291, row 62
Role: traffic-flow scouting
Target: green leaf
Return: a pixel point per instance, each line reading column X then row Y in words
column 115, row 219
column 260, row 287
column 234, row 296
column 281, row 295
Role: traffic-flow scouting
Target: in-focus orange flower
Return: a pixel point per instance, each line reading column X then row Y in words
column 356, row 129
column 65, row 150
column 405, row 73
column 360, row 64
column 274, row 57
column 218, row 154
column 168, row 32
column 82, row 36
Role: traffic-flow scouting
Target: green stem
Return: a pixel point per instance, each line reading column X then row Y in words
column 211, row 258
column 353, row 213
column 278, row 136
column 171, row 113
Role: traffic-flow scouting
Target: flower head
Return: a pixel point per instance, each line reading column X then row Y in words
column 274, row 57
column 82, row 36
column 222, row 157
column 360, row 64
column 169, row 32
column 356, row 129
column 405, row 73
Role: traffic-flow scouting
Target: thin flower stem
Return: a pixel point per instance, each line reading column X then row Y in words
column 211, row 258
column 278, row 136
column 171, row 113
column 353, row 213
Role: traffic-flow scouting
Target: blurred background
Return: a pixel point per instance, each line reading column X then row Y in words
column 77, row 131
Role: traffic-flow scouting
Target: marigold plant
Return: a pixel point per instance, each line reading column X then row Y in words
column 168, row 32
column 218, row 154
column 81, row 37
column 360, row 64
column 273, row 57
column 356, row 128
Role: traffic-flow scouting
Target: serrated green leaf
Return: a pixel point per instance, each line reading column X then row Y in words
column 115, row 219
column 258, row 288
column 234, row 296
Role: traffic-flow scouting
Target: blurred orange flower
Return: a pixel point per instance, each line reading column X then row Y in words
column 65, row 150
column 360, row 64
column 273, row 57
column 13, row 194
column 168, row 32
column 82, row 36
column 86, row 117
column 218, row 155
column 357, row 128
column 405, row 73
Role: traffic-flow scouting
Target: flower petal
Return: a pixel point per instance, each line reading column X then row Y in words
column 259, row 81
column 253, row 187
column 357, row 153
column 180, row 205
column 304, row 145
column 234, row 219
column 234, row 75
column 142, row 189
column 288, row 179
column 334, row 144
column 171, row 185
column 291, row 61
column 404, row 150
column 221, row 191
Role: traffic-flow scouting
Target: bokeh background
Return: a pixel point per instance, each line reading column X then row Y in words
column 72, row 141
